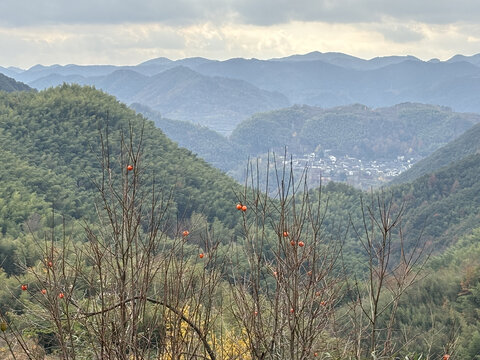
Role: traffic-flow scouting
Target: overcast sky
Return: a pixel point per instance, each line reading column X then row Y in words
column 127, row 32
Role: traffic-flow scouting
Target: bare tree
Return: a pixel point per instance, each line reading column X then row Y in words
column 391, row 268
column 284, row 302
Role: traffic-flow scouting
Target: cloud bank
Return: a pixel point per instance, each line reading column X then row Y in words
column 255, row 12
column 129, row 32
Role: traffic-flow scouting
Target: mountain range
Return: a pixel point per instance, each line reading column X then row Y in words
column 220, row 94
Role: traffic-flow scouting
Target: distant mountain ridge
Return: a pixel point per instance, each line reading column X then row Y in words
column 349, row 61
column 180, row 93
column 324, row 84
column 220, row 94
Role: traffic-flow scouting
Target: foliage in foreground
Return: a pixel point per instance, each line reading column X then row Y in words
column 130, row 289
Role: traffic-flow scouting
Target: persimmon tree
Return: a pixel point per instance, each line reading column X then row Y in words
column 285, row 301
column 135, row 287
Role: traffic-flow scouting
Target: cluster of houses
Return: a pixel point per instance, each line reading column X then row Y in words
column 363, row 174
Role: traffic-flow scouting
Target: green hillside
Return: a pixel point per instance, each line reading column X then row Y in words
column 50, row 143
column 238, row 274
column 441, row 315
column 439, row 208
column 465, row 145
column 214, row 148
column 56, row 135
column 444, row 205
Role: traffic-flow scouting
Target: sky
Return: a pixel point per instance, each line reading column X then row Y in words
column 128, row 32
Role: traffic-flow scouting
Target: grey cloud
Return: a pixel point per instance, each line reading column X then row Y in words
column 32, row 12
column 269, row 12
column 432, row 11
column 400, row 33
column 258, row 12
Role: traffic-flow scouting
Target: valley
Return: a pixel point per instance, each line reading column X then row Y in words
column 347, row 169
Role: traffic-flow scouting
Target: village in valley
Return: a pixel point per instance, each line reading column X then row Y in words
column 362, row 174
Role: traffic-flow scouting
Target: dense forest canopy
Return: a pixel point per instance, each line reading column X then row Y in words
column 409, row 129
column 58, row 131
column 465, row 145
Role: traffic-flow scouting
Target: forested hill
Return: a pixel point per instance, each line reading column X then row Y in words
column 465, row 145
column 443, row 205
column 9, row 84
column 408, row 129
column 50, row 146
column 214, row 148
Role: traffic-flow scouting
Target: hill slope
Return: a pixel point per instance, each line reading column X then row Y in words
column 443, row 205
column 9, row 84
column 49, row 149
column 56, row 135
column 214, row 148
column 465, row 145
